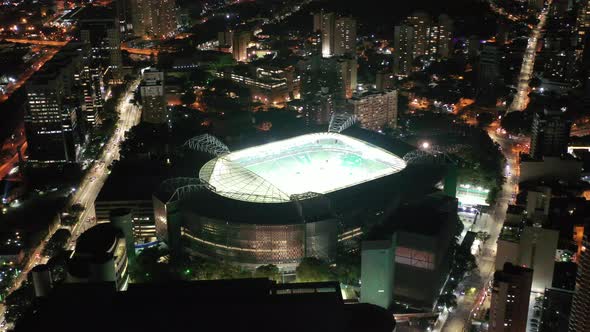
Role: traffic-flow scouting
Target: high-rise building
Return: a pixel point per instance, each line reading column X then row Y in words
column 377, row 262
column 384, row 80
column 537, row 251
column 100, row 34
column 155, row 18
column 418, row 35
column 443, row 33
column 403, row 44
column 240, row 42
column 579, row 318
column 550, row 134
column 338, row 34
column 51, row 122
column 557, row 305
column 225, row 38
column 322, row 88
column 510, row 299
column 326, row 24
column 422, row 25
column 376, row 110
column 582, row 24
column 488, row 74
column 99, row 29
column 345, row 36
column 348, row 69
column 153, row 99
column 124, row 14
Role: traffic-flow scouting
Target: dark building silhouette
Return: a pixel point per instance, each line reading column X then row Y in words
column 224, row 305
column 549, row 134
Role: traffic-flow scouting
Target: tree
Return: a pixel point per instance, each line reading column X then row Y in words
column 57, row 242
column 77, row 208
column 18, row 302
column 188, row 97
column 269, row 271
column 448, row 300
column 348, row 268
column 484, row 119
column 516, row 122
column 68, row 220
column 312, row 269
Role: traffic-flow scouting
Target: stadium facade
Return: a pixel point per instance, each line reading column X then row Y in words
column 279, row 202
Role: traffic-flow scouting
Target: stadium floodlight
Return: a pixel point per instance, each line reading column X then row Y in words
column 279, row 171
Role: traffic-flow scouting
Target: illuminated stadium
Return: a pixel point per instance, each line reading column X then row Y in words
column 282, row 201
column 319, row 163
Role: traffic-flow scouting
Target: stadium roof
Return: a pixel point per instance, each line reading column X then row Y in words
column 313, row 163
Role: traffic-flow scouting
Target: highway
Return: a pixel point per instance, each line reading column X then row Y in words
column 521, row 99
column 92, row 182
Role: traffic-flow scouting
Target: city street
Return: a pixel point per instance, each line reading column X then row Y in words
column 521, row 99
column 471, row 304
column 93, row 180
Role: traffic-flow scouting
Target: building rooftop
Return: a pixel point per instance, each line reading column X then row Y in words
column 98, row 240
column 223, row 305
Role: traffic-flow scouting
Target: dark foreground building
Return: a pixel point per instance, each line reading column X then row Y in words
column 225, row 305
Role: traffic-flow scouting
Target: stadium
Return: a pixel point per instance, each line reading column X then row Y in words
column 318, row 163
column 279, row 202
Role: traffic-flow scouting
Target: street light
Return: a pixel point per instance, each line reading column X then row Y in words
column 425, row 145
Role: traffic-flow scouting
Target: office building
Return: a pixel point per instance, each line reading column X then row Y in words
column 377, row 258
column 240, row 42
column 100, row 256
column 51, row 109
column 99, row 29
column 260, row 304
column 100, row 34
column 510, row 299
column 579, row 318
column 550, row 134
column 376, row 110
column 267, row 84
column 155, row 19
column 153, row 99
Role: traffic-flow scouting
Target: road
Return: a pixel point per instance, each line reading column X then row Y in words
column 471, row 304
column 129, row 116
column 27, row 74
column 93, row 181
column 521, row 99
